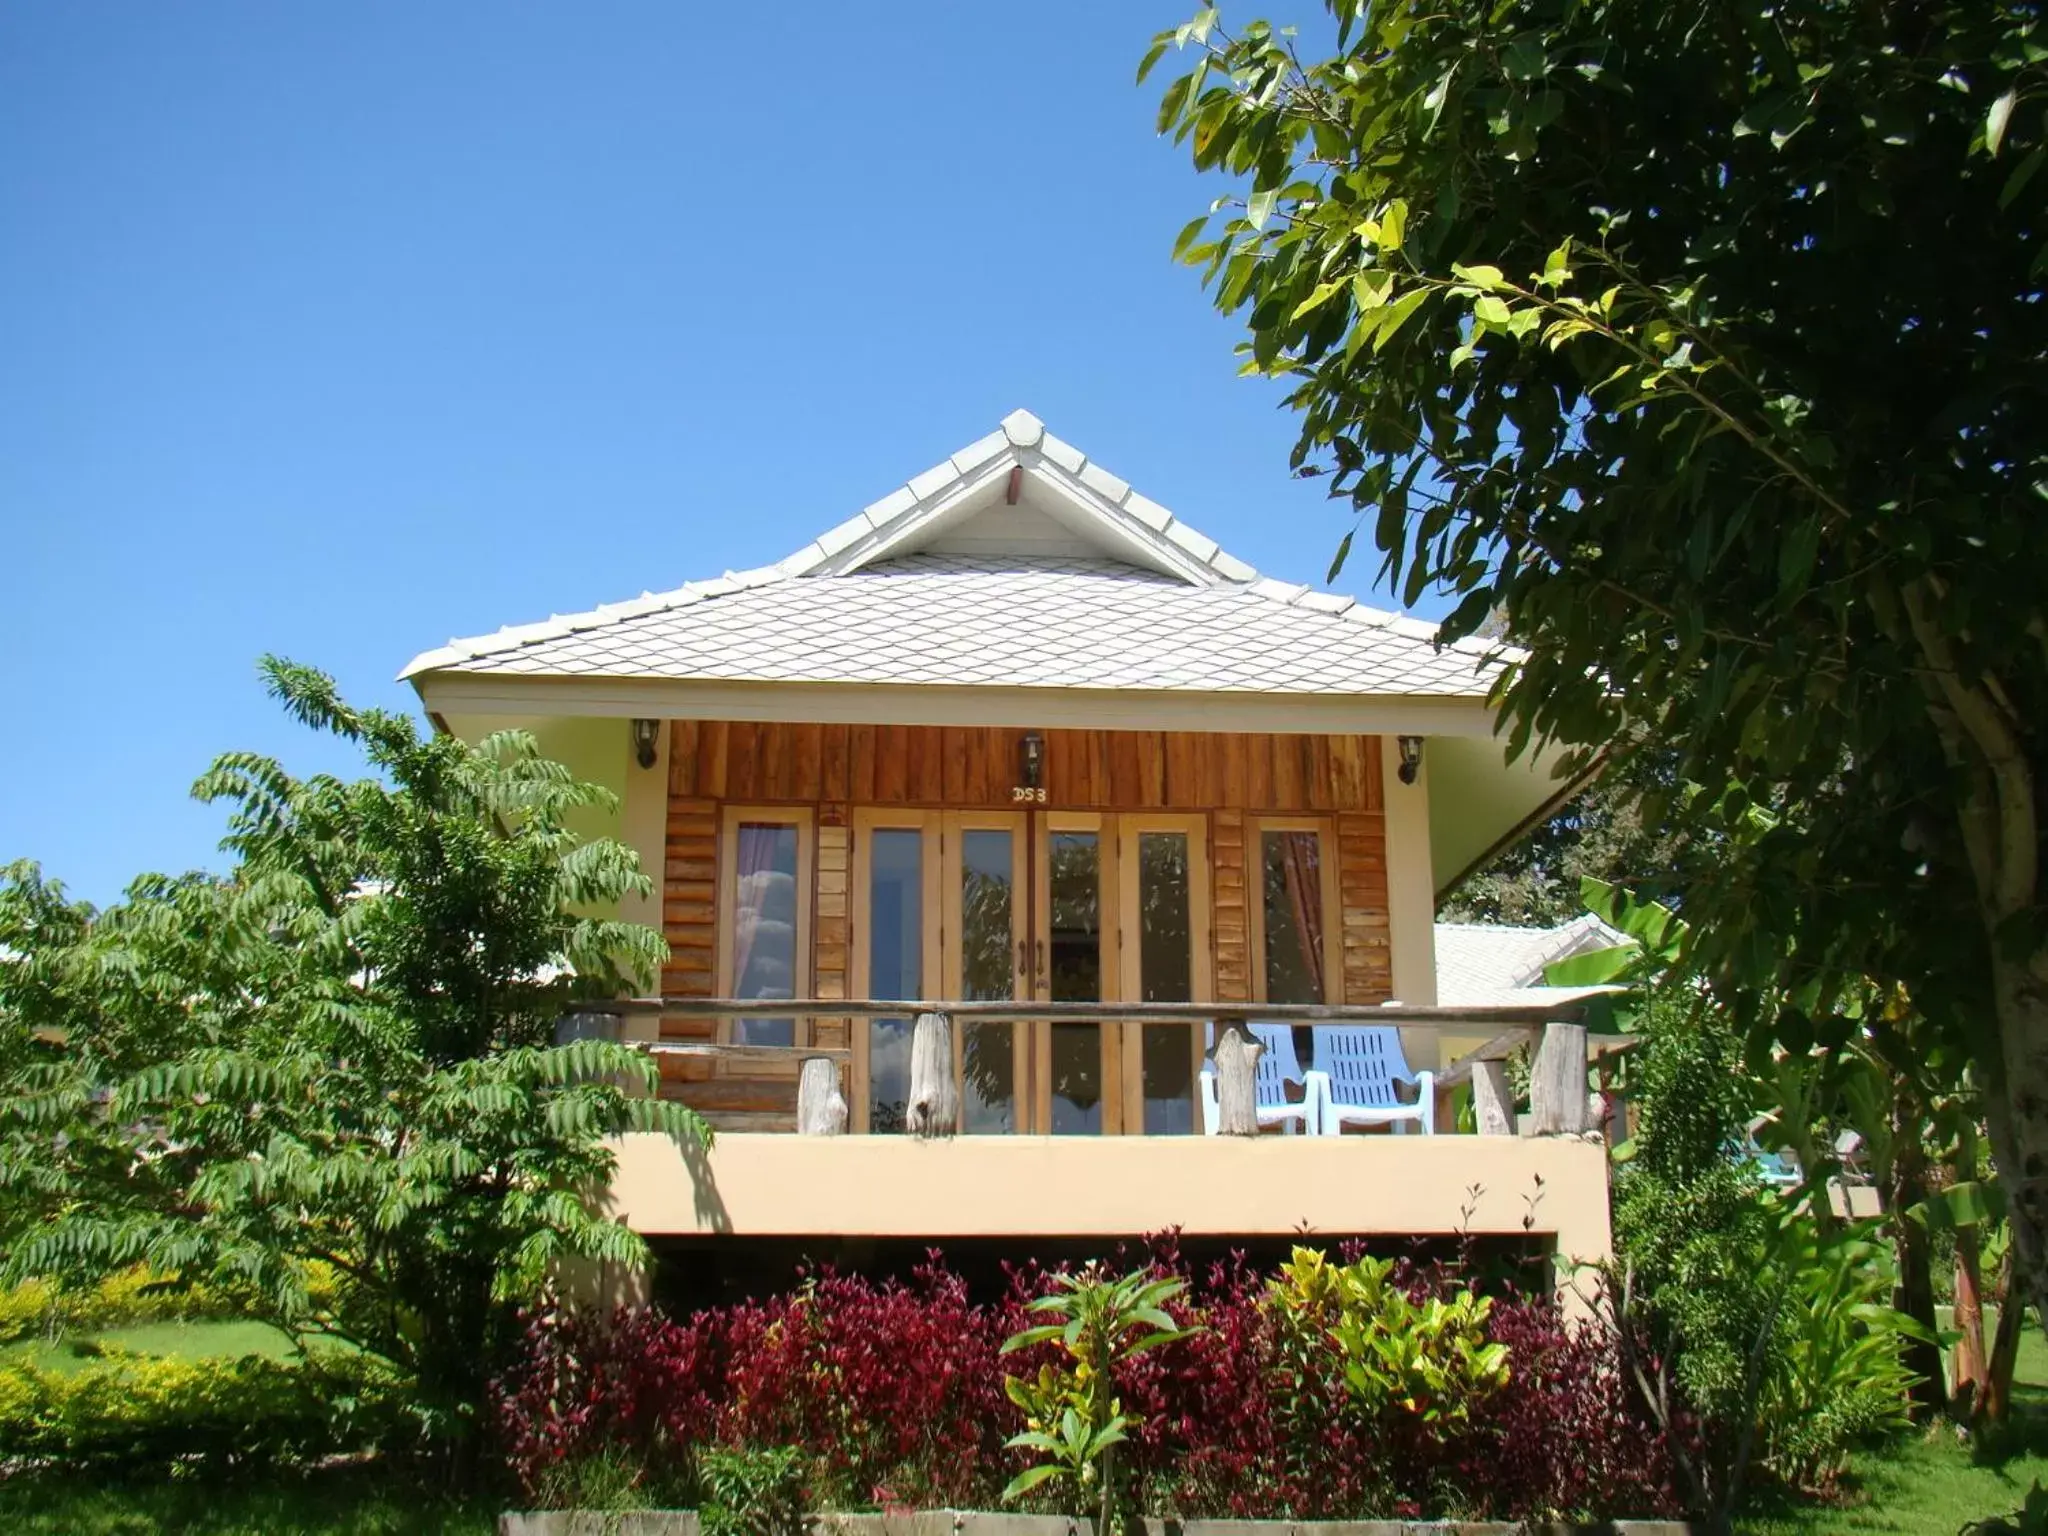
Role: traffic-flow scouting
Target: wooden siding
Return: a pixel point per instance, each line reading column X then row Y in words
column 1368, row 955
column 834, row 920
column 1231, row 922
column 835, row 769
column 973, row 766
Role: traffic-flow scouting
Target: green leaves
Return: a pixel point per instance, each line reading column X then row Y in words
column 342, row 1052
column 1998, row 119
column 1693, row 415
column 1071, row 1413
column 1430, row 1359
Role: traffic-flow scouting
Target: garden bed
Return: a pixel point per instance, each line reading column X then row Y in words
column 970, row 1522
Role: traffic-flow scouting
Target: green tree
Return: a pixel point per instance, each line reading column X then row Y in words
column 1705, row 345
column 338, row 1057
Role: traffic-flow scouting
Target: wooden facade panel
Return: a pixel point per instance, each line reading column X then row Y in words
column 1229, row 923
column 1367, row 928
column 689, row 891
column 832, row 770
column 727, row 1093
column 974, row 766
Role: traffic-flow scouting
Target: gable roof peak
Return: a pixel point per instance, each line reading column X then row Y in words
column 1022, row 484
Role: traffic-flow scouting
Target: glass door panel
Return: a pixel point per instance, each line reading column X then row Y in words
column 1076, row 1073
column 985, row 866
column 1296, row 901
column 1165, row 897
column 895, row 943
column 895, row 955
column 1073, row 974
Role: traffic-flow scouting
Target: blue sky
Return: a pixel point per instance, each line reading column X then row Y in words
column 338, row 330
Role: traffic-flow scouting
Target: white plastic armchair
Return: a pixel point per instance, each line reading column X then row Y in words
column 1353, row 1080
column 1277, row 1067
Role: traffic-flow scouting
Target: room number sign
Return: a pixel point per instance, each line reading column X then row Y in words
column 1022, row 794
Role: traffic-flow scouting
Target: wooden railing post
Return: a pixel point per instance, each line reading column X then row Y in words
column 1493, row 1101
column 1237, row 1061
column 820, row 1107
column 1558, row 1101
column 934, row 1100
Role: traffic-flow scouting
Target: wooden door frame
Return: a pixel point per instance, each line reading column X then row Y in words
column 956, row 824
column 804, row 819
column 1325, row 828
column 1131, row 825
column 863, row 823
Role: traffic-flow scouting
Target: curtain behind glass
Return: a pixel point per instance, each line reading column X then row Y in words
column 764, row 958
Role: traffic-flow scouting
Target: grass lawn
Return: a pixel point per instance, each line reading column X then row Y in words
column 197, row 1341
column 1931, row 1485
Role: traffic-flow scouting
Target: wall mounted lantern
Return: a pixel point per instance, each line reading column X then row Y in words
column 1031, row 761
column 1411, row 758
column 646, row 737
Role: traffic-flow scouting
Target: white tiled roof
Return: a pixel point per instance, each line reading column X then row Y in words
column 1162, row 608
column 989, row 622
column 1482, row 963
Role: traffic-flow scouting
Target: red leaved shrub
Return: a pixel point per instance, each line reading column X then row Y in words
column 895, row 1394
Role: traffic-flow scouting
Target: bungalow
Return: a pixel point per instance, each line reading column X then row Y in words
column 1016, row 748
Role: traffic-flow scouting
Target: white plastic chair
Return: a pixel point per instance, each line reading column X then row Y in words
column 1353, row 1080
column 1277, row 1066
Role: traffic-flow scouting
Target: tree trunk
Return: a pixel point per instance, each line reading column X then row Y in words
column 1995, row 1402
column 820, row 1107
column 1493, row 1101
column 1913, row 1293
column 1966, row 1377
column 934, row 1097
column 2016, row 1115
column 1237, row 1101
column 1559, row 1104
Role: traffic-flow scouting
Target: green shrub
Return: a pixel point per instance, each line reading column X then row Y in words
column 751, row 1492
column 30, row 1310
column 41, row 1308
column 1769, row 1323
column 1429, row 1359
column 1838, row 1375
column 125, row 1409
column 1073, row 1416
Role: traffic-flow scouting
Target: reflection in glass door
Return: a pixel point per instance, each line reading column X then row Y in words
column 1051, row 906
column 984, row 931
column 1073, row 974
column 1164, row 898
column 895, row 957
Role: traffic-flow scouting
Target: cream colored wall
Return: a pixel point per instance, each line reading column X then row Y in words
column 643, row 826
column 1480, row 797
column 1110, row 1186
column 596, row 750
column 1411, row 897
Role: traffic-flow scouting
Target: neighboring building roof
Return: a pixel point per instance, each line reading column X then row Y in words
column 1017, row 562
column 1484, row 963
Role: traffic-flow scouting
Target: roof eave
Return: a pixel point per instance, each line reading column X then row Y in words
column 453, row 691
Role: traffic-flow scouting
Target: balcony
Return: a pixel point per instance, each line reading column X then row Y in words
column 1539, row 1177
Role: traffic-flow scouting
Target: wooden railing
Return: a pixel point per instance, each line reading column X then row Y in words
column 1559, row 1101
